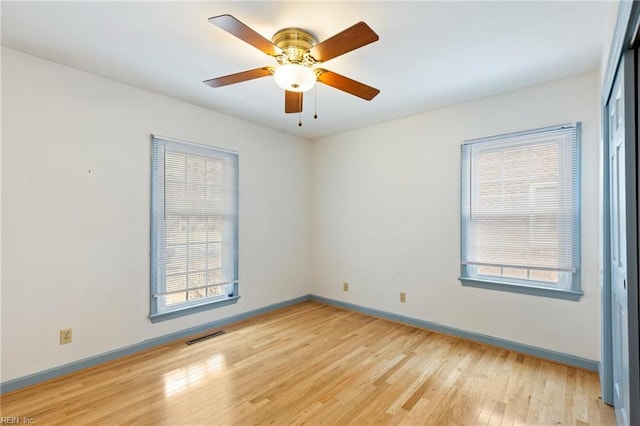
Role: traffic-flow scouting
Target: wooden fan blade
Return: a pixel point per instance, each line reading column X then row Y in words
column 246, row 34
column 239, row 77
column 348, row 85
column 350, row 39
column 292, row 101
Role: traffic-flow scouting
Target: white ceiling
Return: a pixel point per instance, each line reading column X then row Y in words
column 430, row 54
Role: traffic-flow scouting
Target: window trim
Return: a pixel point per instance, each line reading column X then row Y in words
column 556, row 293
column 195, row 306
column 211, row 304
column 524, row 286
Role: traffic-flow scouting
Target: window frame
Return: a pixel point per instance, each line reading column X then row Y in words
column 468, row 275
column 158, row 312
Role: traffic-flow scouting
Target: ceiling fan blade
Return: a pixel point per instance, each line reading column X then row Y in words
column 239, row 77
column 346, row 84
column 246, row 34
column 292, row 101
column 350, row 39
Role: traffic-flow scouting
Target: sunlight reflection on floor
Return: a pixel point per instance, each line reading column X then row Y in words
column 187, row 377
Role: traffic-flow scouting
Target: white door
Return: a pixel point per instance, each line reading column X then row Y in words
column 618, row 232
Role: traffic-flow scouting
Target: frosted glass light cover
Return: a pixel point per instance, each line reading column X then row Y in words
column 295, row 78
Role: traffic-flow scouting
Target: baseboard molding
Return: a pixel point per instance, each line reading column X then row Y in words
column 55, row 372
column 537, row 352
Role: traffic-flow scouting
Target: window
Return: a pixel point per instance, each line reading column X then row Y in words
column 194, row 228
column 520, row 212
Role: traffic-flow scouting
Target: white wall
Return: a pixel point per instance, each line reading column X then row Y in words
column 386, row 218
column 75, row 211
column 611, row 19
column 378, row 207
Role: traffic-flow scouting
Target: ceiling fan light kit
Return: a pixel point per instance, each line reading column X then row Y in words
column 295, row 77
column 297, row 52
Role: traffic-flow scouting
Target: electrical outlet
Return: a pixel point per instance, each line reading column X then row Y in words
column 65, row 336
column 403, row 297
column 345, row 286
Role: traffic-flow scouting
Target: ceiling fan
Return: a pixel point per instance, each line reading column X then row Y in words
column 298, row 53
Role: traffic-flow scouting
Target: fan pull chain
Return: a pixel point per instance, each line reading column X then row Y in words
column 300, row 111
column 315, row 102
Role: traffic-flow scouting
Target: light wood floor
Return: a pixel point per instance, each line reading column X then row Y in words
column 316, row 364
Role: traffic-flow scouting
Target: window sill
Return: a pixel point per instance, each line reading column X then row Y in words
column 193, row 309
column 523, row 289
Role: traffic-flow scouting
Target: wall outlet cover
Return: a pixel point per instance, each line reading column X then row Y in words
column 66, row 336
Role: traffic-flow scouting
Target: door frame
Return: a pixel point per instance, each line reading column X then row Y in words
column 625, row 38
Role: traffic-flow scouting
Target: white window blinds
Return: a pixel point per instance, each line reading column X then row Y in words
column 194, row 225
column 519, row 206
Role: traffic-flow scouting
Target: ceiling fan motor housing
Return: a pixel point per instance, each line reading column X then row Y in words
column 295, row 43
